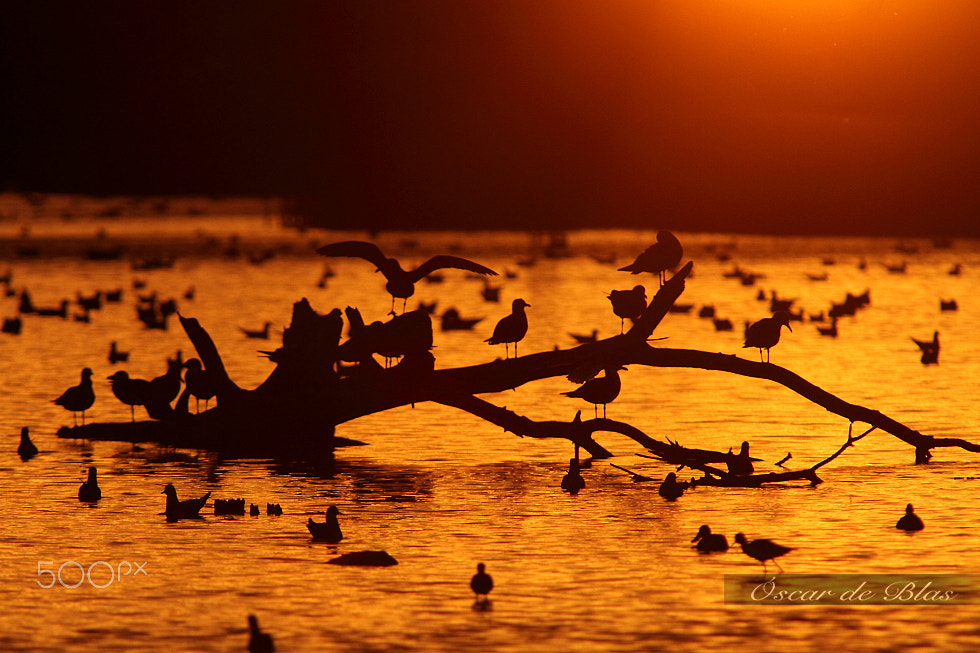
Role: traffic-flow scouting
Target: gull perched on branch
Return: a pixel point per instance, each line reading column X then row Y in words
column 401, row 283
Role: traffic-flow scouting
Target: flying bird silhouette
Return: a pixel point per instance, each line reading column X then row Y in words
column 401, row 282
column 663, row 255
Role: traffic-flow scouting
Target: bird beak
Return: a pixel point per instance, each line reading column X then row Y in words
column 789, row 327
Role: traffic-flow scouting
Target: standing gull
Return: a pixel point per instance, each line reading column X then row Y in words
column 600, row 390
column 78, row 398
column 765, row 333
column 663, row 255
column 511, row 328
column 628, row 304
column 401, row 283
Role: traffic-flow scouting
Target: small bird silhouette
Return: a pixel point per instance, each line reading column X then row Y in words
column 708, row 542
column 258, row 642
column 481, row 583
column 199, row 382
column 740, row 464
column 572, row 482
column 90, row 490
column 116, row 356
column 929, row 348
column 628, row 304
column 910, row 521
column 328, row 531
column 762, row 550
column 186, row 509
column 600, row 390
column 259, row 334
column 78, row 398
column 765, row 333
column 26, row 449
column 401, row 282
column 511, row 328
column 663, row 255
column 132, row 392
column 671, row 488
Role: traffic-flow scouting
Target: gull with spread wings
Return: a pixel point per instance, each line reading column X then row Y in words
column 401, row 283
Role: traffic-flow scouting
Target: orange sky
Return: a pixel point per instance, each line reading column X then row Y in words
column 752, row 115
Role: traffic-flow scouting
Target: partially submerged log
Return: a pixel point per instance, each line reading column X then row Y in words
column 294, row 412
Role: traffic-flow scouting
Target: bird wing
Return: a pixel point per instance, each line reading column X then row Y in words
column 445, row 261
column 356, row 249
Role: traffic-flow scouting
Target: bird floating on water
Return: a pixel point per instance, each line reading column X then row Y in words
column 78, row 398
column 628, row 304
column 90, row 490
column 929, row 348
column 671, row 488
column 401, row 282
column 481, row 583
column 116, row 356
column 740, row 464
column 910, row 521
column 708, row 542
column 765, row 333
column 762, row 550
column 511, row 328
column 26, row 449
column 328, row 531
column 600, row 390
column 663, row 255
column 186, row 509
column 258, row 642
column 572, row 482
column 259, row 334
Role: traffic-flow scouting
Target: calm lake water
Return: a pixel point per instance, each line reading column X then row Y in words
column 611, row 569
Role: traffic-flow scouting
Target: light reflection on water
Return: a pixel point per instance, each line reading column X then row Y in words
column 608, row 570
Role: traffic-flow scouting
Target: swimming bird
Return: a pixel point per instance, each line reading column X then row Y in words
column 671, row 488
column 708, row 542
column 740, row 464
column 401, row 282
column 90, row 490
column 26, row 449
column 260, row 334
column 481, row 583
column 829, row 330
column 511, row 328
column 628, row 304
column 765, row 333
column 328, row 531
column 762, row 550
column 930, row 349
column 186, row 509
column 663, row 255
column 78, row 398
column 600, row 390
column 116, row 356
column 585, row 338
column 258, row 642
column 572, row 482
column 451, row 321
column 910, row 521
column 199, row 382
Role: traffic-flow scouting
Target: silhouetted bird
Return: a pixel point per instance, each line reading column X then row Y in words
column 708, row 542
column 253, row 510
column 132, row 392
column 481, row 583
column 926, row 345
column 328, row 531
column 572, row 482
column 765, row 333
column 740, row 464
column 12, row 325
column 584, row 339
column 663, row 255
column 451, row 321
column 273, row 509
column 600, row 390
column 910, row 521
column 628, row 304
column 401, row 283
column 258, row 642
column 511, row 328
column 26, row 449
column 948, row 305
column 259, row 334
column 78, row 398
column 671, row 488
column 186, row 509
column 90, row 490
column 762, row 550
column 90, row 303
column 116, row 356
column 828, row 330
column 199, row 382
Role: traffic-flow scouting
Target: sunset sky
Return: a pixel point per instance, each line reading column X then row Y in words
column 841, row 116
